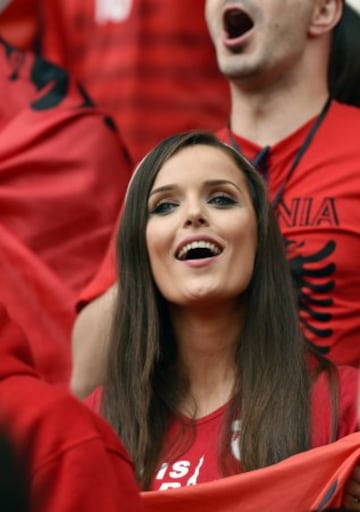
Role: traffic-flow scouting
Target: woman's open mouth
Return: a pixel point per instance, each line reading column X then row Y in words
column 198, row 250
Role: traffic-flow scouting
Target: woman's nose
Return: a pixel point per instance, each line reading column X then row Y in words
column 195, row 221
column 195, row 216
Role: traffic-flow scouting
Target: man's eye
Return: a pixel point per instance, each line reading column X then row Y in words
column 163, row 208
column 222, row 200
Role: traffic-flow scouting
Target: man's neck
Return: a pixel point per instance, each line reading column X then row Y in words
column 266, row 117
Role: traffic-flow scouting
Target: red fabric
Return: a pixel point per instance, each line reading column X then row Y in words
column 319, row 216
column 75, row 461
column 63, row 174
column 199, row 463
column 310, row 481
column 150, row 67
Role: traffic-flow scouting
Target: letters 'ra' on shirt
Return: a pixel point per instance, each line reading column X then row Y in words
column 200, row 461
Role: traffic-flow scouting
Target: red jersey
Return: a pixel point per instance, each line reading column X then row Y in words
column 319, row 216
column 63, row 174
column 74, row 460
column 148, row 63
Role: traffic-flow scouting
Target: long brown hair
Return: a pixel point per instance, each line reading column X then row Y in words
column 144, row 387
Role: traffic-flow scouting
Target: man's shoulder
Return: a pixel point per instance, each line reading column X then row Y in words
column 340, row 131
column 345, row 112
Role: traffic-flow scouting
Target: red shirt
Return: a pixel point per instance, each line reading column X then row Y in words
column 149, row 63
column 200, row 462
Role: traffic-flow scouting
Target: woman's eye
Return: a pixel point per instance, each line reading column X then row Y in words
column 222, row 200
column 163, row 207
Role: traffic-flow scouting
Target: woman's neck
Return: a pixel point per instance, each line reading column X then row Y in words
column 207, row 341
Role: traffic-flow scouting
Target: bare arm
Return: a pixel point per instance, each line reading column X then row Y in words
column 90, row 338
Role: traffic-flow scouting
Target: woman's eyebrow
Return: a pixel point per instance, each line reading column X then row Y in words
column 215, row 183
column 164, row 188
column 207, row 183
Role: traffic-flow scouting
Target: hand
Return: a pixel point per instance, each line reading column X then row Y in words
column 352, row 491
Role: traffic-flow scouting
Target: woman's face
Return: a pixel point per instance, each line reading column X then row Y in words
column 201, row 233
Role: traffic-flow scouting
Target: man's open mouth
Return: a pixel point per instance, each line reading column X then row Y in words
column 236, row 23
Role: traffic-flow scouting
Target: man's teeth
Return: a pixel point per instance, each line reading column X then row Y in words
column 200, row 244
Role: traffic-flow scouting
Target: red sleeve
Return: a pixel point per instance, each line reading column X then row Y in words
column 103, row 280
column 88, row 477
column 93, row 401
column 75, row 461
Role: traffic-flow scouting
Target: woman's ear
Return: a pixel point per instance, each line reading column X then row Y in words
column 326, row 15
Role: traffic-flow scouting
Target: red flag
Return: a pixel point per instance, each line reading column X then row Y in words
column 311, row 481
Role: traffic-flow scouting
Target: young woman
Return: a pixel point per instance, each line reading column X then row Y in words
column 208, row 373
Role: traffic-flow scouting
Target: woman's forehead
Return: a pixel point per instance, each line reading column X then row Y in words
column 199, row 162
